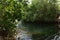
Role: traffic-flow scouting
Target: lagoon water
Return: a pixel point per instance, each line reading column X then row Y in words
column 22, row 34
column 25, row 30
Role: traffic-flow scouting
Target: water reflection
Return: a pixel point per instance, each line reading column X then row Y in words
column 23, row 33
column 28, row 31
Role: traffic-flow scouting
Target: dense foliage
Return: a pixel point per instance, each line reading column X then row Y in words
column 12, row 11
column 41, row 10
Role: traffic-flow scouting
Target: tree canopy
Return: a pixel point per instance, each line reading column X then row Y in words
column 42, row 10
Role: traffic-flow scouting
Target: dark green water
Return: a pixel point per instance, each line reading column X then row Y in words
column 39, row 31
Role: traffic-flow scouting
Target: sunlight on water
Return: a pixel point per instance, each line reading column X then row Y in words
column 22, row 34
